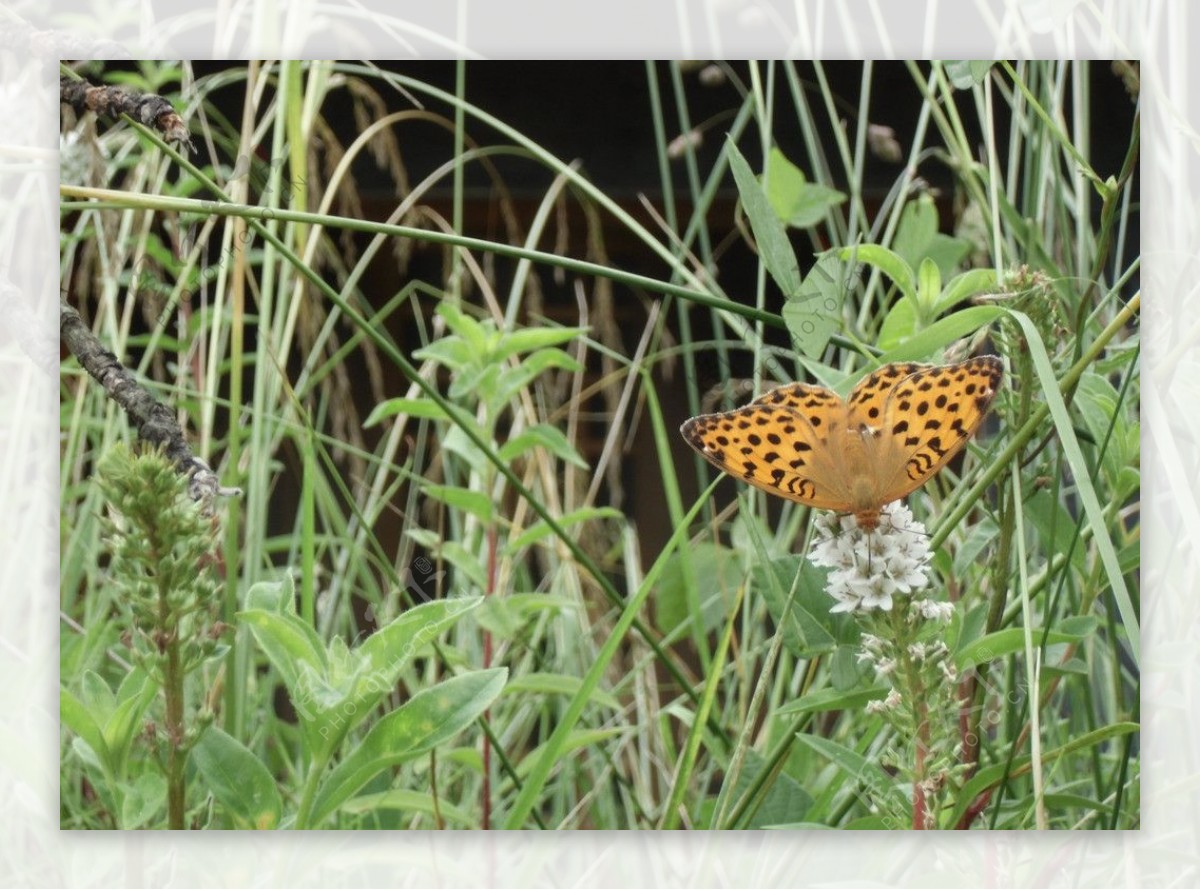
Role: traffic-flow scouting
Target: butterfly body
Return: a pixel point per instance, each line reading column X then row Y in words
column 899, row 426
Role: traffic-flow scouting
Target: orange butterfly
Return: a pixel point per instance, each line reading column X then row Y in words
column 805, row 443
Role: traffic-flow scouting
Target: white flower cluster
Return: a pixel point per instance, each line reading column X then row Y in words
column 870, row 567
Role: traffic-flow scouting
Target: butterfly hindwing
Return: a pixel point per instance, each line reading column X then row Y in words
column 930, row 414
column 869, row 397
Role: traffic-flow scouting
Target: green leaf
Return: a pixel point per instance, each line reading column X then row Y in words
column 136, row 693
column 407, row 407
column 410, row 801
column 796, row 201
column 898, row 325
column 456, row 442
column 929, row 287
column 846, row 671
column 576, row 740
column 814, row 312
column 784, row 802
column 917, row 238
column 510, row 381
column 544, row 684
column 288, row 642
column 142, row 799
column 272, row 596
column 1085, row 489
column 473, row 334
column 98, row 697
column 859, row 769
column 239, row 781
column 967, row 73
column 465, row 561
column 834, row 700
column 941, row 334
column 886, row 261
column 449, row 352
column 424, row 537
column 1097, row 402
column 475, row 382
column 76, row 717
column 964, row 286
column 1005, row 642
column 476, row 503
column 990, row 776
column 428, row 719
column 716, row 573
column 529, row 339
column 504, row 616
column 773, row 246
column 546, row 436
column 108, row 723
column 390, row 648
column 808, row 628
column 1054, row 524
column 540, row 529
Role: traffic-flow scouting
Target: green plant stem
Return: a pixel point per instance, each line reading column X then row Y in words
column 687, row 760
column 176, row 755
column 309, row 792
column 110, row 198
column 909, row 673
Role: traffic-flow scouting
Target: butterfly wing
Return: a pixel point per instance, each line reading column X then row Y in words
column 869, row 397
column 779, row 443
column 927, row 417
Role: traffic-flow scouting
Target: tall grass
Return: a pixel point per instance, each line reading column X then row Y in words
column 599, row 683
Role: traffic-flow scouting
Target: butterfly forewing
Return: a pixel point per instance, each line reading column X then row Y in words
column 773, row 442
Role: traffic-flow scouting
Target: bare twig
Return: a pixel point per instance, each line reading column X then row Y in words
column 155, row 422
column 113, row 101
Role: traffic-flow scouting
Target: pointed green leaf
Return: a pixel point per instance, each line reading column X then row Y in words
column 476, row 503
column 1006, row 642
column 834, row 700
column 76, row 717
column 898, row 325
column 530, row 339
column 407, row 407
column 549, row 437
column 473, row 334
column 774, row 249
column 288, row 642
column 858, row 768
column 142, row 799
column 542, row 684
column 390, row 647
column 427, row 720
column 814, row 312
column 449, row 352
column 966, row 73
column 963, row 287
column 540, row 529
column 929, row 287
column 796, row 201
column 886, row 261
column 237, row 779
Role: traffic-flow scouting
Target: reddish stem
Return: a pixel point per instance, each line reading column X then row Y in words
column 920, row 805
